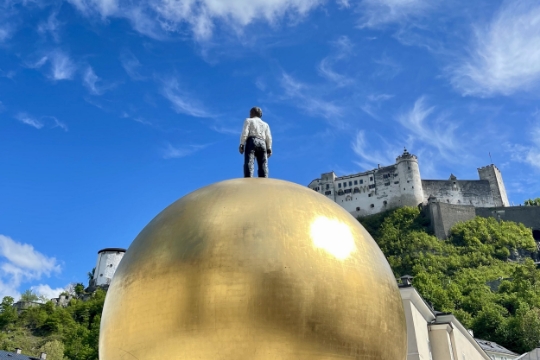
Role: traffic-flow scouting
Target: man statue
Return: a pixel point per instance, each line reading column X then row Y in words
column 256, row 142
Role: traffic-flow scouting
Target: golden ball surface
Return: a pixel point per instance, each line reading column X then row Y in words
column 253, row 269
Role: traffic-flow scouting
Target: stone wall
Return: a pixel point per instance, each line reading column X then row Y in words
column 459, row 192
column 527, row 215
column 443, row 216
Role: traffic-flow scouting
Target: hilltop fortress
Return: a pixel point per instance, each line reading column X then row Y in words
column 444, row 201
column 400, row 184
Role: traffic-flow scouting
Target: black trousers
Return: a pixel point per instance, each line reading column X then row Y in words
column 255, row 149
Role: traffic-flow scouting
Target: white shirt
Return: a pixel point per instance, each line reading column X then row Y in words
column 255, row 127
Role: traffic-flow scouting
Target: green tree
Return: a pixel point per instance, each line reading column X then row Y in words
column 54, row 350
column 8, row 314
column 532, row 202
column 29, row 295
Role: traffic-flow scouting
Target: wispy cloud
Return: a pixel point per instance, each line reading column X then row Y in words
column 373, row 104
column 181, row 101
column 172, row 152
column 377, row 13
column 28, row 120
column 39, row 123
column 150, row 17
column 527, row 152
column 343, row 48
column 388, row 68
column 5, row 32
column 131, row 65
column 93, row 83
column 51, row 26
column 504, row 56
column 61, row 65
column 370, row 158
column 21, row 263
column 426, row 126
column 305, row 99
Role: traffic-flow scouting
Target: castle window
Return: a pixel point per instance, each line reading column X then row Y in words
column 412, row 187
column 357, row 208
column 371, row 178
column 387, row 184
column 361, row 181
column 370, row 195
column 348, row 191
column 408, row 181
column 395, row 175
column 339, row 185
column 350, row 183
column 385, row 202
column 396, row 182
column 327, row 186
column 409, row 168
column 372, row 186
column 356, row 190
column 327, row 193
column 371, row 206
column 355, row 182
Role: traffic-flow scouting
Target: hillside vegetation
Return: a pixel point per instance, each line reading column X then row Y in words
column 455, row 275
column 470, row 275
column 63, row 333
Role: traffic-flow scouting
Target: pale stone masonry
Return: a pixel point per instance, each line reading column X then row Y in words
column 400, row 184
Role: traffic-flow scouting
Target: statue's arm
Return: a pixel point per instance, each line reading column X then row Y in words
column 245, row 132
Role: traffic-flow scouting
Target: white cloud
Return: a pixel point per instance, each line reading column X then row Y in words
column 504, row 57
column 373, row 104
column 171, row 152
column 50, row 26
column 52, row 121
column 46, row 291
column 150, row 16
column 21, row 263
column 92, row 82
column 181, row 101
column 435, row 130
column 62, row 68
column 305, row 99
column 377, row 13
column 370, row 158
column 527, row 154
column 343, row 48
column 28, row 120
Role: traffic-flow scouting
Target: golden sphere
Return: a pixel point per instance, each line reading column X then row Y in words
column 253, row 269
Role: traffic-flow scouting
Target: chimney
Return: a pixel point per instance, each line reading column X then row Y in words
column 17, row 350
column 406, row 280
column 43, row 356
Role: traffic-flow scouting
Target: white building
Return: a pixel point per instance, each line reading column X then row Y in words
column 435, row 336
column 107, row 262
column 400, row 184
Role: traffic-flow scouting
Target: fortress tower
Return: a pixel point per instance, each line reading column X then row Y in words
column 108, row 260
column 492, row 174
column 409, row 179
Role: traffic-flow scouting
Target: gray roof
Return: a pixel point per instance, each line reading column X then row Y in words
column 494, row 347
column 6, row 355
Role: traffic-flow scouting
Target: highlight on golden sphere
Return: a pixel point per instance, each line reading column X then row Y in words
column 253, row 269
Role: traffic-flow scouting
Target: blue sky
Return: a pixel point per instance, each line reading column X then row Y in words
column 110, row 109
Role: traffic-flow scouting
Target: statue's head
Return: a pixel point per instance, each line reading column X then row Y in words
column 255, row 112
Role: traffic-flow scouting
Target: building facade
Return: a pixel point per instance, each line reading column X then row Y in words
column 400, row 184
column 107, row 262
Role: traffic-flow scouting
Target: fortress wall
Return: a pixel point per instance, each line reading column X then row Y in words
column 443, row 216
column 459, row 192
column 527, row 215
column 380, row 194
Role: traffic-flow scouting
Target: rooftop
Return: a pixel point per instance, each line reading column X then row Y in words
column 494, row 347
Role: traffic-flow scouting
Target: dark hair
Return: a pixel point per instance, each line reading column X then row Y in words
column 255, row 111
